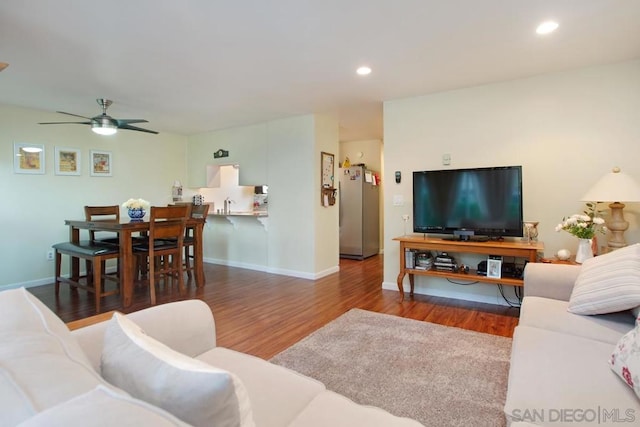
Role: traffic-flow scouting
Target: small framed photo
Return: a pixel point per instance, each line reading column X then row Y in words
column 494, row 268
column 101, row 163
column 67, row 161
column 28, row 158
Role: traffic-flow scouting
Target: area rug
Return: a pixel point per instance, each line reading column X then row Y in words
column 438, row 375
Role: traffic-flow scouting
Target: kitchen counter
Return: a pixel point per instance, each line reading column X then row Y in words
column 248, row 213
column 233, row 217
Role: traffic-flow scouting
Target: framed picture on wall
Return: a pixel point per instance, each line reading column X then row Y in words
column 67, row 161
column 101, row 163
column 28, row 158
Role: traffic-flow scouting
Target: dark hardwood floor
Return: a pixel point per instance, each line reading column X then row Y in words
column 263, row 314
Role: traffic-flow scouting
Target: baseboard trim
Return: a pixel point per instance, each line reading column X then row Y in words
column 255, row 267
column 487, row 299
column 272, row 270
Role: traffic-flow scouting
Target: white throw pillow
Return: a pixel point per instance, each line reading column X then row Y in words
column 193, row 391
column 41, row 364
column 102, row 407
column 625, row 359
column 608, row 283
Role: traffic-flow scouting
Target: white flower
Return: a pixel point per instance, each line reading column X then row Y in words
column 136, row 204
column 583, row 226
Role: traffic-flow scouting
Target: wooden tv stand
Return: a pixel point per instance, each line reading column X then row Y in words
column 506, row 248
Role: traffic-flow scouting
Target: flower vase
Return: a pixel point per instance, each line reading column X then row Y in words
column 585, row 251
column 136, row 214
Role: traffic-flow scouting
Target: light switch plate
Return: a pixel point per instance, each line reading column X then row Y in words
column 398, row 200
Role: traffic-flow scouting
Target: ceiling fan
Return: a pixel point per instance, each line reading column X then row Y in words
column 104, row 124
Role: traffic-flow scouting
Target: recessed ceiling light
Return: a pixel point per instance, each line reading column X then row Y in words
column 364, row 70
column 547, row 27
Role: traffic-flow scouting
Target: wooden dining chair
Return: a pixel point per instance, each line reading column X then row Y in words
column 163, row 249
column 197, row 211
column 101, row 213
column 92, row 213
column 94, row 253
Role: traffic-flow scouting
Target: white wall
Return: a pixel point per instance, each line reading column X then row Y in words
column 34, row 207
column 371, row 150
column 285, row 155
column 565, row 129
column 327, row 248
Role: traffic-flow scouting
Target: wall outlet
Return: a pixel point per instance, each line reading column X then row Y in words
column 50, row 255
column 405, row 217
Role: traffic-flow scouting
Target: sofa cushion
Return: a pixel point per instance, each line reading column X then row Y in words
column 277, row 394
column 41, row 365
column 335, row 410
column 102, row 407
column 625, row 359
column 189, row 389
column 552, row 371
column 553, row 315
column 608, row 283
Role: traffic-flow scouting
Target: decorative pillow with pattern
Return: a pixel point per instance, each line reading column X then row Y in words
column 608, row 283
column 625, row 359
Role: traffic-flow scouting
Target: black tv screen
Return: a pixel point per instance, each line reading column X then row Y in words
column 466, row 202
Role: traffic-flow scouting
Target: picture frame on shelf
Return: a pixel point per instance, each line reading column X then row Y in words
column 494, row 268
column 28, row 158
column 101, row 163
column 67, row 161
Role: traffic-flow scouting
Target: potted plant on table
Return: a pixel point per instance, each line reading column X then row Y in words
column 136, row 208
column 584, row 226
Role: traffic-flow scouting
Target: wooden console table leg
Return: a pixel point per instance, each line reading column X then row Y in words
column 400, row 287
column 412, row 283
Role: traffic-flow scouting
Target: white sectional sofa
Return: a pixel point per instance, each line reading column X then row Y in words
column 51, row 376
column 560, row 372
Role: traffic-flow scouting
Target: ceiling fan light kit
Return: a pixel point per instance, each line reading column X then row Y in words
column 104, row 124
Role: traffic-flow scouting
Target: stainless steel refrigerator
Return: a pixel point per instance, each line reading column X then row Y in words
column 359, row 213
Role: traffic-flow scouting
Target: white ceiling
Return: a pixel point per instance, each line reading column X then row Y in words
column 197, row 65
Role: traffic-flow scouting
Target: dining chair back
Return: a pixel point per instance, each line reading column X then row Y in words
column 163, row 248
column 197, row 211
column 101, row 213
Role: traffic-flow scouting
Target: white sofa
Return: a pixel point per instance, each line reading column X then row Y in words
column 559, row 373
column 50, row 376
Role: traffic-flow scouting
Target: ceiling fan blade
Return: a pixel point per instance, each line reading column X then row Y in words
column 129, row 121
column 129, row 127
column 74, row 115
column 65, row 123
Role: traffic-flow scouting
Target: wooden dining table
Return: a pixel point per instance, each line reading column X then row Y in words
column 126, row 228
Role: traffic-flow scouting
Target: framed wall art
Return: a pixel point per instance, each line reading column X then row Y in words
column 67, row 161
column 101, row 163
column 327, row 170
column 28, row 158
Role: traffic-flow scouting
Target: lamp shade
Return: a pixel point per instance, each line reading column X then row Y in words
column 615, row 186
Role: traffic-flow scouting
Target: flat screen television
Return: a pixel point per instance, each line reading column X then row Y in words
column 471, row 204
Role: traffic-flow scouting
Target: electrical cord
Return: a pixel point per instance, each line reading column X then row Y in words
column 462, row 284
column 510, row 303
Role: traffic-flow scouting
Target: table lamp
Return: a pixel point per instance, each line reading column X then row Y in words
column 615, row 187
